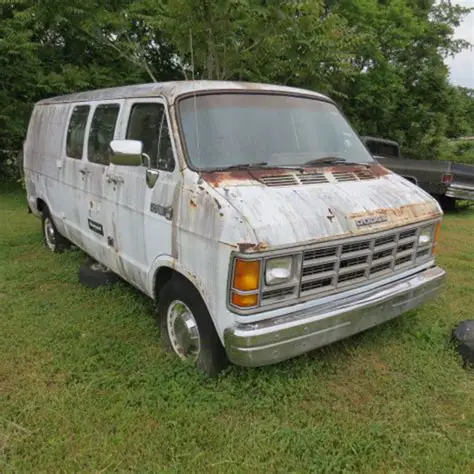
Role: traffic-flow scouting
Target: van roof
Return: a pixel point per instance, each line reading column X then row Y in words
column 171, row 90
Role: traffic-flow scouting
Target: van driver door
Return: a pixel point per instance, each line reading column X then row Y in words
column 140, row 210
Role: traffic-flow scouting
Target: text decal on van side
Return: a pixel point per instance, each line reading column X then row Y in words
column 96, row 227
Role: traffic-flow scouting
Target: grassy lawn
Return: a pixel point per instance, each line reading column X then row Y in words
column 85, row 386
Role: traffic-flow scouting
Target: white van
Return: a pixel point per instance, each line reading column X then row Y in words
column 251, row 213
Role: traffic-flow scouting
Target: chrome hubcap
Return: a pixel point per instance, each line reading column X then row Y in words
column 49, row 234
column 183, row 331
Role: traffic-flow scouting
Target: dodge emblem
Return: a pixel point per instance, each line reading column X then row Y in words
column 369, row 220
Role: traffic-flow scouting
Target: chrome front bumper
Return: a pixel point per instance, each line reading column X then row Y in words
column 460, row 192
column 281, row 338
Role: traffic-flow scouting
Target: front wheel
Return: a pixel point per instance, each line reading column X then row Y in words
column 447, row 203
column 186, row 327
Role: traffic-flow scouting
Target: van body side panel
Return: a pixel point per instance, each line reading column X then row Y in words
column 44, row 163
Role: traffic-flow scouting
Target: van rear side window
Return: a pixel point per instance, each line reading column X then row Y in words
column 76, row 131
column 102, row 133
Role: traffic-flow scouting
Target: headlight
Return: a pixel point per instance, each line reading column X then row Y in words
column 426, row 236
column 279, row 270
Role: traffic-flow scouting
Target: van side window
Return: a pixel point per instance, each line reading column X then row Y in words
column 76, row 131
column 148, row 124
column 102, row 133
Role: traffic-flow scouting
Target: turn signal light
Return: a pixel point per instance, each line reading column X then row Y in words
column 246, row 275
column 436, row 237
column 244, row 301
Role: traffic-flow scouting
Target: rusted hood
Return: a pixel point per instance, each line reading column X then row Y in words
column 283, row 216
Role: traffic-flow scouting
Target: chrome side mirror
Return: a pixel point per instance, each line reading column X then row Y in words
column 126, row 152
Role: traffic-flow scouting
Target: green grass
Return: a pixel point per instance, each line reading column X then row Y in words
column 85, row 386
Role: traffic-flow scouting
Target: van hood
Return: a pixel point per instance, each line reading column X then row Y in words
column 342, row 202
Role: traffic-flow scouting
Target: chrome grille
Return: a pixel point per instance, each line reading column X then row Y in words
column 277, row 294
column 362, row 260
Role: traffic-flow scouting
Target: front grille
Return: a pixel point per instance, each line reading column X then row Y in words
column 339, row 266
column 327, row 269
column 277, row 294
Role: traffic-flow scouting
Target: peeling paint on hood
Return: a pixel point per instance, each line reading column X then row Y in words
column 284, row 216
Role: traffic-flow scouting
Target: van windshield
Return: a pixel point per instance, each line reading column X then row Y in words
column 232, row 129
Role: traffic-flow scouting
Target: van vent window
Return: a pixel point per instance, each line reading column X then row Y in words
column 148, row 124
column 76, row 131
column 102, row 133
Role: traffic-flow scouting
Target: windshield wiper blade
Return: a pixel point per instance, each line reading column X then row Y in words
column 244, row 166
column 326, row 160
column 335, row 160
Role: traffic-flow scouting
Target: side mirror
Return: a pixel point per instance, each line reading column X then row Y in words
column 126, row 152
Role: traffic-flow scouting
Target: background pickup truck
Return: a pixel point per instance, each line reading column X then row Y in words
column 445, row 180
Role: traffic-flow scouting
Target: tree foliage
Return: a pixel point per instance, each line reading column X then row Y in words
column 382, row 60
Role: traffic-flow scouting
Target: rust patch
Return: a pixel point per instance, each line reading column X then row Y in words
column 247, row 247
column 378, row 170
column 411, row 211
column 217, row 178
column 222, row 178
column 192, row 203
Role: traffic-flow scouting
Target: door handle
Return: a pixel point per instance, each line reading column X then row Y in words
column 114, row 179
column 84, row 171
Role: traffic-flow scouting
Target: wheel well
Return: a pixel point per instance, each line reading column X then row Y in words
column 162, row 276
column 40, row 205
column 411, row 179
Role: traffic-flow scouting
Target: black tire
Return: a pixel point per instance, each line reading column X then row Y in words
column 463, row 339
column 94, row 275
column 211, row 358
column 52, row 239
column 447, row 203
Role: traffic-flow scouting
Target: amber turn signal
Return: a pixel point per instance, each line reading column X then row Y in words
column 244, row 301
column 246, row 275
column 436, row 237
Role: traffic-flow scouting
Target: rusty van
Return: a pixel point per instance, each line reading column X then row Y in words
column 252, row 214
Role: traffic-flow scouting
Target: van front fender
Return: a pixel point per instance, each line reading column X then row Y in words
column 167, row 261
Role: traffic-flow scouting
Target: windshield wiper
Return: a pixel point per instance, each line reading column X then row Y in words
column 244, row 166
column 262, row 164
column 329, row 160
column 326, row 160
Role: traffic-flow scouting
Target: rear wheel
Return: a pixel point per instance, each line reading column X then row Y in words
column 53, row 240
column 447, row 203
column 186, row 327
